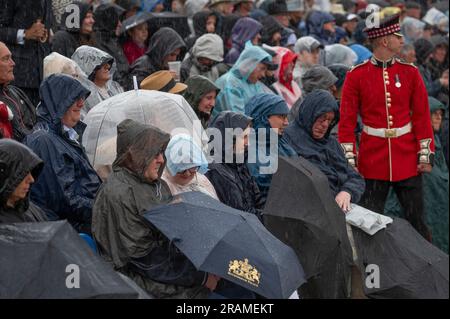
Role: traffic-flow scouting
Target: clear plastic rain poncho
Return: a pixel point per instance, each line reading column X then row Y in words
column 168, row 112
column 235, row 89
column 89, row 60
column 339, row 54
column 412, row 29
column 56, row 63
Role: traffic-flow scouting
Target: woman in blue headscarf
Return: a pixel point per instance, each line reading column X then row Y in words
column 185, row 167
column 269, row 113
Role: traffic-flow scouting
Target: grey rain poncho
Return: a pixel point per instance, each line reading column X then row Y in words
column 90, row 59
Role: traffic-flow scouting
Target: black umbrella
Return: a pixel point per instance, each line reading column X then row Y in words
column 409, row 266
column 44, row 260
column 302, row 213
column 229, row 243
column 135, row 20
column 172, row 20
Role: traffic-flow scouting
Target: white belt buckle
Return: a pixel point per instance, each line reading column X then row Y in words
column 390, row 132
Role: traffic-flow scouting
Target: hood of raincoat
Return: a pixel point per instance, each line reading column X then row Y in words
column 229, row 120
column 339, row 53
column 137, row 146
column 57, row 63
column 314, row 26
column 318, row 77
column 58, row 93
column 362, row 52
column 423, row 49
column 412, row 29
column 439, row 40
column 199, row 22
column 198, row 86
column 208, row 46
column 67, row 22
column 244, row 30
column 107, row 17
column 262, row 106
column 16, row 161
column 283, row 57
column 162, row 43
column 315, row 104
column 435, row 105
column 183, row 153
column 90, row 59
column 248, row 60
column 340, row 72
column 359, row 35
column 270, row 27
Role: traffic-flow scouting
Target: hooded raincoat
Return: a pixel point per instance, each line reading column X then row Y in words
column 423, row 49
column 325, row 153
column 435, row 192
column 124, row 237
column 234, row 184
column 161, row 44
column 317, row 77
column 69, row 38
column 288, row 89
column 198, row 87
column 106, row 21
column 235, row 88
column 199, row 24
column 90, row 59
column 270, row 27
column 314, row 27
column 260, row 108
column 207, row 46
column 339, row 54
column 244, row 30
column 16, row 162
column 67, row 185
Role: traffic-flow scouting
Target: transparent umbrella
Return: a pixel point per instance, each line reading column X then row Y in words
column 168, row 112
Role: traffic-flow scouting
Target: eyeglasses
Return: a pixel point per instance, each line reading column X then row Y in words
column 189, row 171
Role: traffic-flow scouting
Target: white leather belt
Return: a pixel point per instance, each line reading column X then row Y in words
column 388, row 133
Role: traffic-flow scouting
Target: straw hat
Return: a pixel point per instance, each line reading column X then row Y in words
column 162, row 81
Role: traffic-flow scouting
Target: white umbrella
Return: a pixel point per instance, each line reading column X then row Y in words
column 168, row 112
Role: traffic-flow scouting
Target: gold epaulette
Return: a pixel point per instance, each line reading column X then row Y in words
column 358, row 65
column 405, row 63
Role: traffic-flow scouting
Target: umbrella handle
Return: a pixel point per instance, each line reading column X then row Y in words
column 135, row 84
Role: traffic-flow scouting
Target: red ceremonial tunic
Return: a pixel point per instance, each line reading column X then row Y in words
column 388, row 95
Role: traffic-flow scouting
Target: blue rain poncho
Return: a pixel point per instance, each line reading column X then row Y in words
column 236, row 91
column 260, row 108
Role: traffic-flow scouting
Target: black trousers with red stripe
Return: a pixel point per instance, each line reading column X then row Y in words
column 410, row 195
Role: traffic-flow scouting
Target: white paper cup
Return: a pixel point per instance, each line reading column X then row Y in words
column 175, row 67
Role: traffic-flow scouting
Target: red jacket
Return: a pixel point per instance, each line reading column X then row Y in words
column 386, row 96
column 6, row 130
column 132, row 51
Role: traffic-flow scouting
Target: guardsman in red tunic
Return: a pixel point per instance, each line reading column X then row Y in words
column 396, row 144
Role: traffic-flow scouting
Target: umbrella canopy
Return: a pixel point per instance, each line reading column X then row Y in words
column 229, row 243
column 410, row 267
column 135, row 20
column 34, row 263
column 165, row 111
column 301, row 212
